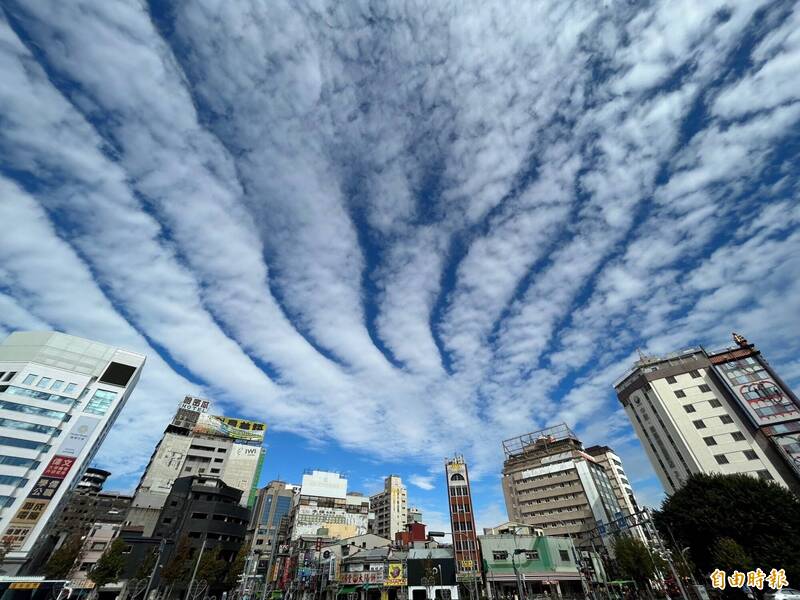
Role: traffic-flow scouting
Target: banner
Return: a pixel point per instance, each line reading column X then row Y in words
column 362, row 577
column 395, row 576
column 78, row 435
column 237, row 429
column 59, row 466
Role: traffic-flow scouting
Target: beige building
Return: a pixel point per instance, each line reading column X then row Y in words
column 552, row 484
column 390, row 507
column 323, row 507
column 687, row 422
column 198, row 443
column 95, row 543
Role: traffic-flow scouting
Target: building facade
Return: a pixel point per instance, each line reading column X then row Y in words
column 390, row 507
column 59, row 396
column 462, row 518
column 324, row 504
column 273, row 503
column 414, row 515
column 198, row 443
column 720, row 412
column 551, row 483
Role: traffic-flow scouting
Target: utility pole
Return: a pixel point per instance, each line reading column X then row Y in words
column 196, row 566
column 155, row 568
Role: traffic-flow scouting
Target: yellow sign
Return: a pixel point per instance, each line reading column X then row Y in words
column 24, row 585
column 467, row 564
column 395, row 576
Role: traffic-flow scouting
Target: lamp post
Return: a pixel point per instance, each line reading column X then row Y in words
column 520, row 589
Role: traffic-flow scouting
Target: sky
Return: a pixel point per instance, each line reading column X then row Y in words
column 394, row 231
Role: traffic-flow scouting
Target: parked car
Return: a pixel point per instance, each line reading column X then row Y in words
column 782, row 594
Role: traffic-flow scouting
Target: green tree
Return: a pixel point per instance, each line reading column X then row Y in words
column 236, row 568
column 761, row 517
column 61, row 561
column 146, row 566
column 634, row 560
column 729, row 555
column 179, row 566
column 109, row 568
column 212, row 568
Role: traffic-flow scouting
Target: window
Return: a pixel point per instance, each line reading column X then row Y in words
column 12, row 480
column 499, row 555
column 6, row 501
column 34, row 427
column 9, row 376
column 726, row 419
column 695, row 374
column 222, row 449
column 166, row 520
column 219, row 460
column 699, row 424
column 764, row 474
column 680, row 393
column 98, row 545
column 17, row 461
column 457, row 477
column 29, row 379
column 18, row 391
column 689, row 408
column 27, row 444
column 44, row 382
column 32, row 410
column 715, row 403
column 705, row 388
column 532, row 555
column 671, row 379
column 563, row 555
column 750, row 455
column 57, row 385
column 71, row 387
column 215, row 470
column 199, row 515
column 100, row 402
column 710, row 441
column 721, row 459
column 737, row 436
column 117, row 374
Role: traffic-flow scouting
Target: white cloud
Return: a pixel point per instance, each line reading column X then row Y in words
column 424, row 482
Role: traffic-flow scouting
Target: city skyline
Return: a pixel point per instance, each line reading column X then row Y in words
column 423, row 238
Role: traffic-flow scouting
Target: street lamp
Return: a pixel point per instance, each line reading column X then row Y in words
column 516, row 571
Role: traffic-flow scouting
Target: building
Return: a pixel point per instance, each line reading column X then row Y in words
column 390, row 507
column 98, row 539
column 519, row 557
column 551, row 483
column 432, row 573
column 93, row 479
column 414, row 515
column 59, row 396
column 323, row 507
column 198, row 443
column 273, row 503
column 462, row 519
column 713, row 412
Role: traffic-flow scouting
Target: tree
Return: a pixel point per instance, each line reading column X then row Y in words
column 109, row 568
column 212, row 568
column 761, row 517
column 179, row 566
column 728, row 555
column 61, row 560
column 145, row 568
column 634, row 560
column 236, row 568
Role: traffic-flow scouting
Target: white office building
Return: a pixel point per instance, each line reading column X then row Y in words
column 688, row 423
column 390, row 507
column 59, row 396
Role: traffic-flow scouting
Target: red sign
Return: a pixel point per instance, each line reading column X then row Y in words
column 59, row 466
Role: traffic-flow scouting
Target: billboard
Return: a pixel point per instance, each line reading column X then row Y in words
column 765, row 401
column 59, row 466
column 237, row 429
column 78, row 435
column 396, row 575
column 362, row 577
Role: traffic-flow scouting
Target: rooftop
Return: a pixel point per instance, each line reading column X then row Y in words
column 538, row 440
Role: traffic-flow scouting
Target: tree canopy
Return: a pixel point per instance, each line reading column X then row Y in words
column 109, row 568
column 178, row 568
column 61, row 560
column 634, row 560
column 735, row 518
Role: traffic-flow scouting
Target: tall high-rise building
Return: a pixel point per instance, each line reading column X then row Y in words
column 59, row 396
column 198, row 443
column 390, row 507
column 273, row 503
column 462, row 518
column 551, row 483
column 324, row 508
column 713, row 412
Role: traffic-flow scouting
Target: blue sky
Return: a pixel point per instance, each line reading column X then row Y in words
column 394, row 231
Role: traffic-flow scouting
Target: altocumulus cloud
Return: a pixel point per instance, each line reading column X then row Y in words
column 432, row 223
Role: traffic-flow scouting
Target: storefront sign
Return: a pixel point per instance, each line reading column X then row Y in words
column 362, row 577
column 59, row 466
column 396, row 575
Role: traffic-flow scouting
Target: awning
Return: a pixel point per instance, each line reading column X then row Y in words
column 276, row 594
column 347, row 589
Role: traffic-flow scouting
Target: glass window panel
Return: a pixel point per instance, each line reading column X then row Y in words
column 44, row 382
column 30, row 379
